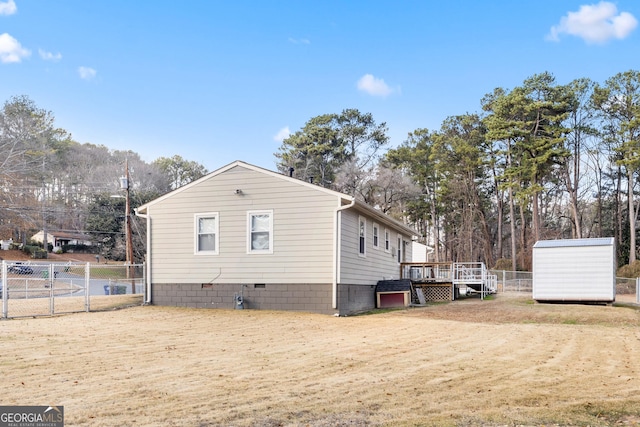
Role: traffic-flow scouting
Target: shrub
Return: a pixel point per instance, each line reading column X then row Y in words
column 35, row 251
column 77, row 249
column 630, row 270
column 503, row 264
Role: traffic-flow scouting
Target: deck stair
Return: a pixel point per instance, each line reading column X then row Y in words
column 475, row 275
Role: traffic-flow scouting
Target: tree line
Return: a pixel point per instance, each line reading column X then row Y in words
column 540, row 161
column 52, row 183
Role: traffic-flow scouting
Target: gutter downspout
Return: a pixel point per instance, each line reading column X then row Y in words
column 148, row 284
column 337, row 239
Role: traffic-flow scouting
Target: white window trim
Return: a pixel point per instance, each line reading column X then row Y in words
column 387, row 241
column 399, row 249
column 375, row 228
column 196, row 217
column 362, row 220
column 259, row 251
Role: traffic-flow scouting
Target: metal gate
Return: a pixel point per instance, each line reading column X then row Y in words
column 32, row 289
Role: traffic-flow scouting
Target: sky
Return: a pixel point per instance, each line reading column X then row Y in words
column 218, row 81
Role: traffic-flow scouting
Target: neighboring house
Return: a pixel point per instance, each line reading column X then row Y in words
column 421, row 252
column 60, row 238
column 276, row 242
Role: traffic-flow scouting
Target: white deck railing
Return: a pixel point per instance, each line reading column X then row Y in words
column 473, row 275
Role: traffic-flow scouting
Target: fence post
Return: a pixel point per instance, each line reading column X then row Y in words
column 637, row 290
column 5, row 291
column 87, row 288
column 51, row 292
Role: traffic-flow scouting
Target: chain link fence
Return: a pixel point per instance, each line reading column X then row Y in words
column 31, row 289
column 514, row 281
column 522, row 281
column 627, row 290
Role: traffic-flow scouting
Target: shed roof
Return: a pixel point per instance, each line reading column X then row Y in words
column 567, row 243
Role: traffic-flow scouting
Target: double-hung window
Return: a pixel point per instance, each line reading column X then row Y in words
column 207, row 233
column 387, row 241
column 376, row 236
column 362, row 241
column 260, row 232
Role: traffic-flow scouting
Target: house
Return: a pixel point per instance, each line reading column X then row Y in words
column 244, row 236
column 575, row 270
column 421, row 252
column 61, row 238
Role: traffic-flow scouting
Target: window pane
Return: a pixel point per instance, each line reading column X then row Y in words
column 260, row 240
column 260, row 223
column 207, row 242
column 206, row 225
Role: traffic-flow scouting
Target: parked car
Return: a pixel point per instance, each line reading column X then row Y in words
column 20, row 268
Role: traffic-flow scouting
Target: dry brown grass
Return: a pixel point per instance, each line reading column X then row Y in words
column 505, row 361
column 42, row 307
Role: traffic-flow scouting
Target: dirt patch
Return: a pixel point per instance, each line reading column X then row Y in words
column 505, row 361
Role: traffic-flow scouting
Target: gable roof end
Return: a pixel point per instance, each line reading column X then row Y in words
column 345, row 199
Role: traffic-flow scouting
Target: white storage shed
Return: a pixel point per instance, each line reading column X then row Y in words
column 580, row 270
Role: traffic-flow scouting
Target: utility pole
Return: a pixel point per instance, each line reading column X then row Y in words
column 45, row 243
column 125, row 185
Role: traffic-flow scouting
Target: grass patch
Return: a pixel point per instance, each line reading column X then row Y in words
column 109, row 272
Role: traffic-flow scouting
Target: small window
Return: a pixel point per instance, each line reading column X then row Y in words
column 399, row 248
column 376, row 237
column 260, row 232
column 405, row 244
column 362, row 236
column 387, row 241
column 206, row 230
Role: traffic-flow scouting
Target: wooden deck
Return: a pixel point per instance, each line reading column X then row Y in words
column 441, row 281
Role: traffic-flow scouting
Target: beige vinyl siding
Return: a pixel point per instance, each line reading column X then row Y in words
column 377, row 264
column 302, row 231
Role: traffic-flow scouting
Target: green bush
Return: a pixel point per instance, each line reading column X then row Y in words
column 35, row 251
column 77, row 249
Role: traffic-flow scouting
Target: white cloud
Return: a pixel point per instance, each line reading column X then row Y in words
column 49, row 56
column 597, row 23
column 299, row 41
column 375, row 86
column 8, row 7
column 11, row 50
column 87, row 73
column 282, row 134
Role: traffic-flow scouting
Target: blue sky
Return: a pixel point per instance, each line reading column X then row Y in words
column 218, row 81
